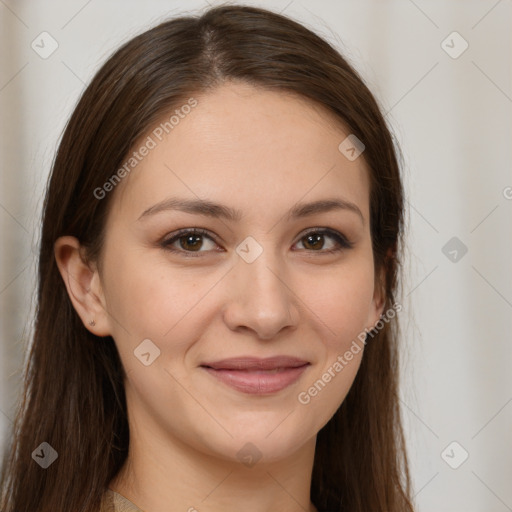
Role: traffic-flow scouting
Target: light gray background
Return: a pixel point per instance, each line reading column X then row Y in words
column 452, row 117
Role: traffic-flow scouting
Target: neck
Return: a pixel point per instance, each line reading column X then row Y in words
column 164, row 474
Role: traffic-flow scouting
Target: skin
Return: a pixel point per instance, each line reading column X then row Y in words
column 261, row 152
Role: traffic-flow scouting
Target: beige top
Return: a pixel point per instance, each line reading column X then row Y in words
column 115, row 502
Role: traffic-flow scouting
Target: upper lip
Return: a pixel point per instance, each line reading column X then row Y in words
column 255, row 363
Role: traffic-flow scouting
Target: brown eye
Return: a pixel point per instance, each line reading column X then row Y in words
column 190, row 242
column 314, row 241
column 187, row 241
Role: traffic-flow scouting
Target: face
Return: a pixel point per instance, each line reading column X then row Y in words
column 253, row 274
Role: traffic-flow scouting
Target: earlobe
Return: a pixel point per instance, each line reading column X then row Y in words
column 82, row 284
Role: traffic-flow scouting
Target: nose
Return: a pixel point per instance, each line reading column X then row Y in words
column 261, row 298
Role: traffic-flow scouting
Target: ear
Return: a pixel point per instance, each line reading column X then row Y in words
column 83, row 285
column 378, row 300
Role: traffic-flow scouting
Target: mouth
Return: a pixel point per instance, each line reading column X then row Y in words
column 257, row 376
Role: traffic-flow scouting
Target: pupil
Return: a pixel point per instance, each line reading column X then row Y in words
column 312, row 237
column 190, row 240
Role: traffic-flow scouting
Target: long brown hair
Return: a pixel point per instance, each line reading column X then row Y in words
column 73, row 386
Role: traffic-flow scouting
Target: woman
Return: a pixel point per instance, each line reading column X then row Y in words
column 216, row 323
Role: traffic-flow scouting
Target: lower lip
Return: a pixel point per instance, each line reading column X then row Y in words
column 258, row 382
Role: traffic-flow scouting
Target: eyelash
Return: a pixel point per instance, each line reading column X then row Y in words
column 342, row 241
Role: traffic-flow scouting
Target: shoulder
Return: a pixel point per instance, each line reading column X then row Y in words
column 114, row 502
column 107, row 502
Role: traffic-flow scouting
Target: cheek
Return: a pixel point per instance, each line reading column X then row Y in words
column 341, row 305
column 342, row 314
column 326, row 391
column 149, row 297
column 342, row 302
column 169, row 306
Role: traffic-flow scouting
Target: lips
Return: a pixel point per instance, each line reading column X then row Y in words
column 254, row 363
column 257, row 376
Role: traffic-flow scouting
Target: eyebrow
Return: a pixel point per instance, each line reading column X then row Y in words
column 216, row 210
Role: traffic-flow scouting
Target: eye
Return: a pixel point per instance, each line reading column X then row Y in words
column 314, row 241
column 188, row 240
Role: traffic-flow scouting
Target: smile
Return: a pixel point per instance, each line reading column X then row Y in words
column 258, row 376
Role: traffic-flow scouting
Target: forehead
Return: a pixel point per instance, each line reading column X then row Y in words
column 247, row 147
